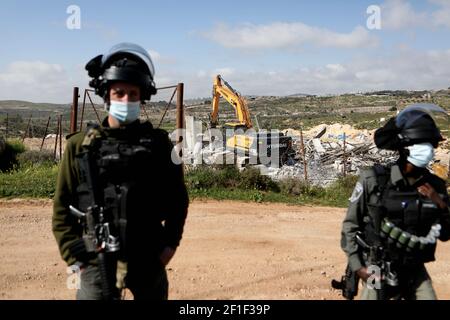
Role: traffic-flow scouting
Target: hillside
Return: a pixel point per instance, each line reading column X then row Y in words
column 362, row 110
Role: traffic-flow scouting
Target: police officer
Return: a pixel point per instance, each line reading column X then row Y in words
column 123, row 173
column 400, row 210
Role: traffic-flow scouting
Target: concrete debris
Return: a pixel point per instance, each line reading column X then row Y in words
column 330, row 151
column 318, row 146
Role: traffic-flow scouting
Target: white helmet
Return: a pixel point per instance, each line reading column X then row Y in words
column 125, row 62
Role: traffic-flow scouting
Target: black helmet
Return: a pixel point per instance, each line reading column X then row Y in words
column 126, row 62
column 417, row 123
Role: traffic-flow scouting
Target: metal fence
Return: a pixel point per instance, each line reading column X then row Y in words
column 47, row 132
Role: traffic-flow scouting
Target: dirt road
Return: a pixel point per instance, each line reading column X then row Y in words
column 230, row 250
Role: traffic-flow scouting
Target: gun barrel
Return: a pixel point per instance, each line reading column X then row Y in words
column 77, row 212
column 361, row 242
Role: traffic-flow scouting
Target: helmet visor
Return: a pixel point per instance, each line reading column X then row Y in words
column 134, row 49
column 411, row 113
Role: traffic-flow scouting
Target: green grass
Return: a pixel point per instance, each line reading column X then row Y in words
column 327, row 198
column 38, row 181
column 230, row 184
column 32, row 181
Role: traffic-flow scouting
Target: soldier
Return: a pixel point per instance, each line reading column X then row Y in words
column 399, row 211
column 121, row 202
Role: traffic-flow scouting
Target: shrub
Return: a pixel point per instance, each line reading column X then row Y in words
column 346, row 183
column 8, row 157
column 227, row 176
column 339, row 191
column 16, row 145
column 295, row 186
column 257, row 197
column 251, row 178
column 201, row 178
column 33, row 157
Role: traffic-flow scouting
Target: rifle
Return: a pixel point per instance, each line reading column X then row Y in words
column 375, row 257
column 348, row 284
column 98, row 237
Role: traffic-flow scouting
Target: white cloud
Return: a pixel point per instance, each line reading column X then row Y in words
column 106, row 32
column 201, row 73
column 155, row 55
column 225, row 72
column 158, row 58
column 287, row 35
column 399, row 14
column 441, row 17
column 331, row 71
column 39, row 81
column 405, row 69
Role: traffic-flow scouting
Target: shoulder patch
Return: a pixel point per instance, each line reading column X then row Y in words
column 91, row 134
column 357, row 192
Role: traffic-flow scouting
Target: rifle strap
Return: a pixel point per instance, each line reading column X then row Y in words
column 122, row 222
column 378, row 180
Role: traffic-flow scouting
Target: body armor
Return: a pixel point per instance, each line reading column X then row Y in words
column 124, row 178
column 397, row 218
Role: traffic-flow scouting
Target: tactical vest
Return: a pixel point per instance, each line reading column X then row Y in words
column 405, row 209
column 114, row 168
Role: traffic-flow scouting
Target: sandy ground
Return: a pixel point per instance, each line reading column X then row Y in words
column 230, row 250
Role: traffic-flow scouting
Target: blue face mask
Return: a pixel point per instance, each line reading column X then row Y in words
column 125, row 112
column 421, row 154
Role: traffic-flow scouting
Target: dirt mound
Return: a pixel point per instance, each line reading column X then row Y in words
column 335, row 132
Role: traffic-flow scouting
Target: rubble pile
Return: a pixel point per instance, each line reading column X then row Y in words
column 324, row 167
column 327, row 151
column 332, row 151
column 316, row 174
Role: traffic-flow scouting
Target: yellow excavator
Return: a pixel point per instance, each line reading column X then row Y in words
column 248, row 144
column 223, row 89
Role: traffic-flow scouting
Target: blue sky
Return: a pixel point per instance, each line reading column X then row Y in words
column 260, row 47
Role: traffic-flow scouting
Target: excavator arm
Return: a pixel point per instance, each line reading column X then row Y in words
column 221, row 88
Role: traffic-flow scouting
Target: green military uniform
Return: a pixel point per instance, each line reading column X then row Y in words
column 364, row 201
column 156, row 208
